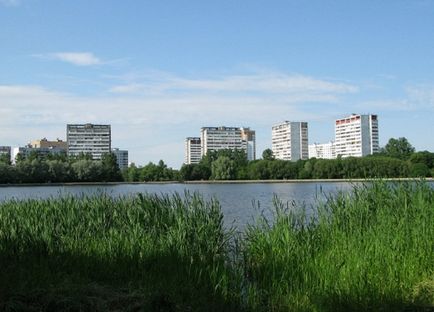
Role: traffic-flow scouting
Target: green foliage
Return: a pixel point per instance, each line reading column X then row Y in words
column 398, row 148
column 419, row 170
column 371, row 250
column 87, row 170
column 267, row 154
column 110, row 168
column 156, row 251
column 223, row 168
column 424, row 157
column 150, row 172
column 368, row 250
column 5, row 159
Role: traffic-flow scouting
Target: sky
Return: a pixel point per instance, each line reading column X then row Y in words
column 158, row 71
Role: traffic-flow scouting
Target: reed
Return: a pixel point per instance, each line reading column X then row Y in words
column 158, row 250
column 371, row 249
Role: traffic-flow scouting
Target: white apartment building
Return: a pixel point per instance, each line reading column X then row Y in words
column 324, row 150
column 88, row 139
column 219, row 138
column 192, row 151
column 289, row 140
column 356, row 135
column 121, row 158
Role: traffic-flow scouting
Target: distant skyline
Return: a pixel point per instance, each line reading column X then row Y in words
column 159, row 71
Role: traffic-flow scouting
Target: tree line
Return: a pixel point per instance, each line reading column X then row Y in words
column 398, row 159
column 36, row 168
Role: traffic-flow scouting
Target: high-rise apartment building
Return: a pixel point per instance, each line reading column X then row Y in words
column 289, row 140
column 324, row 150
column 192, row 150
column 88, row 139
column 121, row 158
column 249, row 137
column 219, row 138
column 356, row 135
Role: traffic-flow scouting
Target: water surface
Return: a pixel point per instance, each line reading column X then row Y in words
column 241, row 202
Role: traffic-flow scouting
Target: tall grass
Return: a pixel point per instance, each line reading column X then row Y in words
column 168, row 251
column 372, row 249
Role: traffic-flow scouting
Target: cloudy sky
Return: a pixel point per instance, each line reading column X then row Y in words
column 158, row 71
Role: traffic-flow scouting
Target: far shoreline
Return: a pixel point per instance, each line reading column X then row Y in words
column 215, row 182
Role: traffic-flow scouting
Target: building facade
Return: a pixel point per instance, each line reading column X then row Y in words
column 324, row 150
column 193, row 153
column 249, row 138
column 88, row 139
column 357, row 135
column 41, row 152
column 289, row 140
column 234, row 138
column 121, row 158
column 44, row 143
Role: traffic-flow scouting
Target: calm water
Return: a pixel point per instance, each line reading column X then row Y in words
column 239, row 202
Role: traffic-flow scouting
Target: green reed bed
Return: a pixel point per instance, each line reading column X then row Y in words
column 368, row 250
column 103, row 253
column 372, row 249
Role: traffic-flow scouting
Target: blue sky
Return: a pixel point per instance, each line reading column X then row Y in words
column 157, row 71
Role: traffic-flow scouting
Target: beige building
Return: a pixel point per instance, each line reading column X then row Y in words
column 44, row 143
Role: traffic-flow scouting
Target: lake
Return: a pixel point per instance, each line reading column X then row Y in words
column 239, row 201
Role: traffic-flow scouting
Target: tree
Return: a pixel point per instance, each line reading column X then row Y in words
column 419, row 170
column 110, row 168
column 424, row 157
column 223, row 168
column 5, row 159
column 398, row 148
column 87, row 170
column 268, row 154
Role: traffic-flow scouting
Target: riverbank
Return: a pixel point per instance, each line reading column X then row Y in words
column 217, row 182
column 367, row 250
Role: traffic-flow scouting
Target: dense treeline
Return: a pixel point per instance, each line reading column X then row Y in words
column 59, row 168
column 150, row 172
column 398, row 159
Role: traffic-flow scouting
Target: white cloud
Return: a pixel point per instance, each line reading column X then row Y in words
column 274, row 82
column 76, row 58
column 417, row 98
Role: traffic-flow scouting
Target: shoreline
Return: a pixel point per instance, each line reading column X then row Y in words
column 214, row 182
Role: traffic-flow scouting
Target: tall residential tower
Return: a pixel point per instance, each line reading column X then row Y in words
column 219, row 138
column 289, row 140
column 192, row 151
column 88, row 139
column 356, row 135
